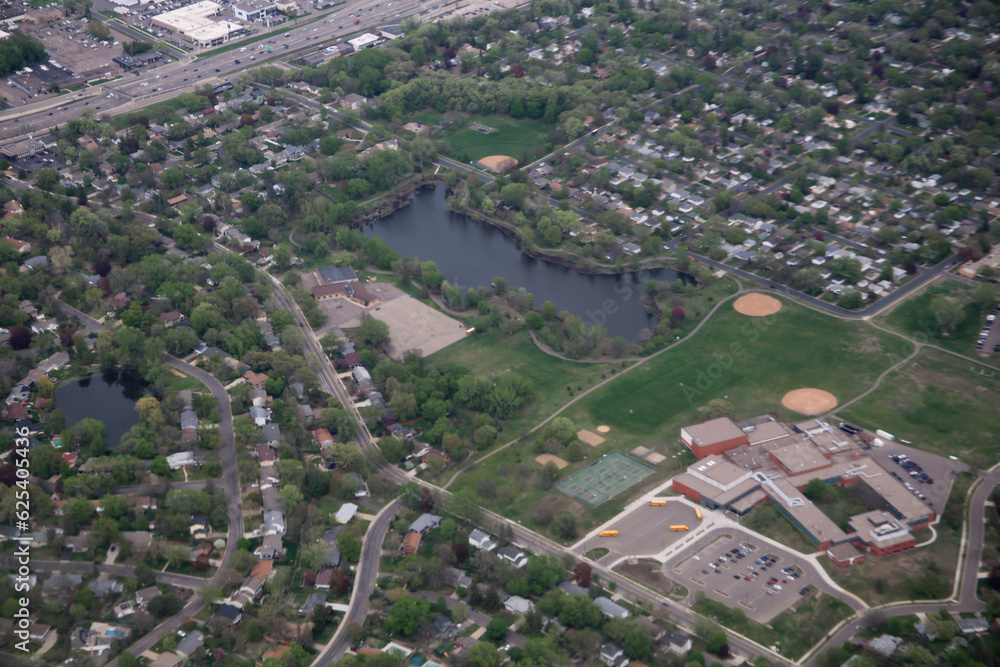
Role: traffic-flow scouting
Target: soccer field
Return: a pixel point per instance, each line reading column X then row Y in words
column 604, row 479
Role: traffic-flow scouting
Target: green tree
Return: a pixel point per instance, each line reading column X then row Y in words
column 497, row 630
column 985, row 296
column 373, row 332
column 350, row 546
column 484, row 654
column 159, row 466
column 406, row 615
column 948, row 314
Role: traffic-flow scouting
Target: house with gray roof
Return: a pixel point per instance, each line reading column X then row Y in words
column 104, row 587
column 314, row 600
column 611, row 609
column 424, row 523
column 191, row 643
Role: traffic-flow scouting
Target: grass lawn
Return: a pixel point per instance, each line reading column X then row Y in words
column 748, row 362
column 919, row 574
column 912, row 317
column 793, row 633
column 941, row 404
column 769, row 522
column 696, row 303
column 512, row 137
column 492, row 353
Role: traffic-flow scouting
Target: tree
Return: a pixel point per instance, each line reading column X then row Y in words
column 210, row 593
column 340, row 581
column 126, row 659
column 564, row 524
column 291, row 495
column 314, row 556
column 638, row 643
column 985, row 296
column 405, row 617
column 373, row 333
column 350, row 545
column 718, row 644
column 163, row 605
column 159, row 466
column 816, row 490
column 20, row 338
column 484, row 654
column 947, row 313
column 584, row 574
column 497, row 630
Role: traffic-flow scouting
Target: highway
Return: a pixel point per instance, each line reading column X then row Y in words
column 148, row 86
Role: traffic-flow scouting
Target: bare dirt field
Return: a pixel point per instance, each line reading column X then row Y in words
column 809, row 401
column 757, row 305
column 589, row 437
column 551, row 458
column 413, row 325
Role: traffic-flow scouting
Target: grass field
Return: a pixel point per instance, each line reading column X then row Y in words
column 912, row 317
column 769, row 522
column 512, row 137
column 748, row 362
column 793, row 633
column 940, row 404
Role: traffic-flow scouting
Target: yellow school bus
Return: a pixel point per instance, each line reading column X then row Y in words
column 609, row 533
column 658, row 503
column 678, row 528
column 697, row 513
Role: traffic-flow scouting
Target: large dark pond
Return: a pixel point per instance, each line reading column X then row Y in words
column 472, row 254
column 108, row 397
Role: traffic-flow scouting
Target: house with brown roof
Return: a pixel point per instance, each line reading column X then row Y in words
column 411, row 543
column 255, row 380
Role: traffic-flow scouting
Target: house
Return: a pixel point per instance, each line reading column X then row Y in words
column 424, row 523
column 252, row 590
column 124, row 610
column 516, row 604
column 255, row 380
column 272, row 434
column 411, row 543
column 346, row 513
column 481, row 540
column 20, row 246
column 167, row 659
column 270, row 548
column 39, row 632
column 180, row 460
column 514, row 556
column 610, row 608
column 265, row 455
column 198, row 528
column 189, row 426
column 170, row 319
column 444, row 628
column 456, row 577
column 973, row 626
column 362, row 491
column 352, row 101
column 886, row 644
column 274, row 522
column 314, row 600
column 229, row 613
column 143, row 597
column 676, row 643
column 191, row 643
column 330, row 536
column 323, row 438
column 101, row 588
column 324, row 579
column 611, row 654
column 55, row 362
column 39, row 261
column 259, row 415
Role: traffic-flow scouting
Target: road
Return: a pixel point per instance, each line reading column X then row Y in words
column 364, row 584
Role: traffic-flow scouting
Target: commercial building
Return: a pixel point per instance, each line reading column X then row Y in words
column 365, row 41
column 195, row 23
column 254, row 10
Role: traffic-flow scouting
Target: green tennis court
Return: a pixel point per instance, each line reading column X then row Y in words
column 604, row 479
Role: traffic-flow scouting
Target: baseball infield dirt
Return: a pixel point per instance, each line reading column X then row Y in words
column 550, row 458
column 809, row 401
column 757, row 305
column 589, row 437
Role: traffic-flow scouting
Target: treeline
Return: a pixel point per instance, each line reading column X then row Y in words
column 18, row 51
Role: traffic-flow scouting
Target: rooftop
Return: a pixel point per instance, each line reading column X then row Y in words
column 799, row 457
column 713, row 431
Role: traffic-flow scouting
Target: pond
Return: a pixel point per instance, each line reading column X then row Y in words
column 107, row 397
column 471, row 254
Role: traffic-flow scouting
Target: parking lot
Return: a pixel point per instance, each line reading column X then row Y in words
column 991, row 340
column 731, row 567
column 69, row 44
column 644, row 531
column 45, row 160
column 936, row 468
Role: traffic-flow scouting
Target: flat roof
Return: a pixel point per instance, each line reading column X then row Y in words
column 767, row 431
column 748, row 501
column 715, row 494
column 718, row 469
column 713, row 431
column 799, row 457
column 896, row 495
column 843, row 553
column 808, row 515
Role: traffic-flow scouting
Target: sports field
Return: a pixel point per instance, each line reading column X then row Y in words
column 604, row 479
column 511, row 137
column 749, row 363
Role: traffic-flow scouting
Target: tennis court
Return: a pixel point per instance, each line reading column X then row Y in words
column 604, row 479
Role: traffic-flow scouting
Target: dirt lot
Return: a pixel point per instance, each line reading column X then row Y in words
column 697, row 568
column 413, row 325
